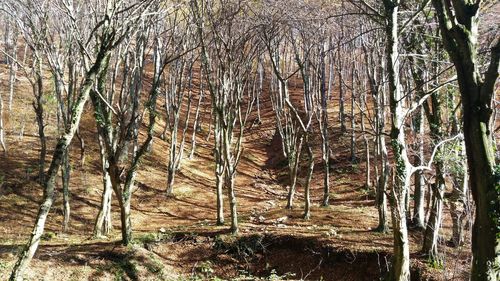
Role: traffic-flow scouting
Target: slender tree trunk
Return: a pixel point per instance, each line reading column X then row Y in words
column 418, row 218
column 368, row 181
column 354, row 159
column 196, row 124
column 103, row 224
column 219, row 167
column 401, row 260
column 12, row 69
column 38, row 105
column 381, row 197
column 431, row 236
column 260, row 89
column 307, row 187
column 341, row 95
column 2, row 130
column 459, row 204
column 49, row 184
column 325, row 148
column 66, row 170
column 232, row 201
column 293, row 166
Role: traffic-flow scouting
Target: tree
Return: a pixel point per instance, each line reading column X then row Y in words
column 108, row 32
column 228, row 65
column 458, row 22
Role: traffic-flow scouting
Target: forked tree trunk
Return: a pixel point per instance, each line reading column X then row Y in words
column 49, row 184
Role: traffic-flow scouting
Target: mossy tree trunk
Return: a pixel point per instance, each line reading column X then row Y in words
column 458, row 22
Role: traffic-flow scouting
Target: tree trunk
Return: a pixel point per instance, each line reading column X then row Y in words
column 477, row 92
column 66, row 170
column 368, row 181
column 459, row 205
column 2, row 130
column 418, row 218
column 341, row 94
column 381, row 197
column 232, row 201
column 293, row 166
column 353, row 121
column 38, row 105
column 431, row 236
column 12, row 71
column 49, row 184
column 325, row 147
column 103, row 224
column 307, row 187
column 401, row 258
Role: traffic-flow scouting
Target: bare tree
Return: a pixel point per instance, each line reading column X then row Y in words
column 228, row 67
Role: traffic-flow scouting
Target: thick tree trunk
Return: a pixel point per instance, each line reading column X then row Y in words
column 459, row 32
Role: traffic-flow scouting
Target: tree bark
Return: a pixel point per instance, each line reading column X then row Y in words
column 459, row 32
column 49, row 184
column 401, row 259
column 307, row 187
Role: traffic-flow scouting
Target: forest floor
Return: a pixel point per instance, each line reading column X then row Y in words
column 175, row 238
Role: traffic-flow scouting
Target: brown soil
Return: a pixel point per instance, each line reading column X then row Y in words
column 176, row 236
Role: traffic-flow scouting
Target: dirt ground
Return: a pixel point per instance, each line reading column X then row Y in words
column 176, row 237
